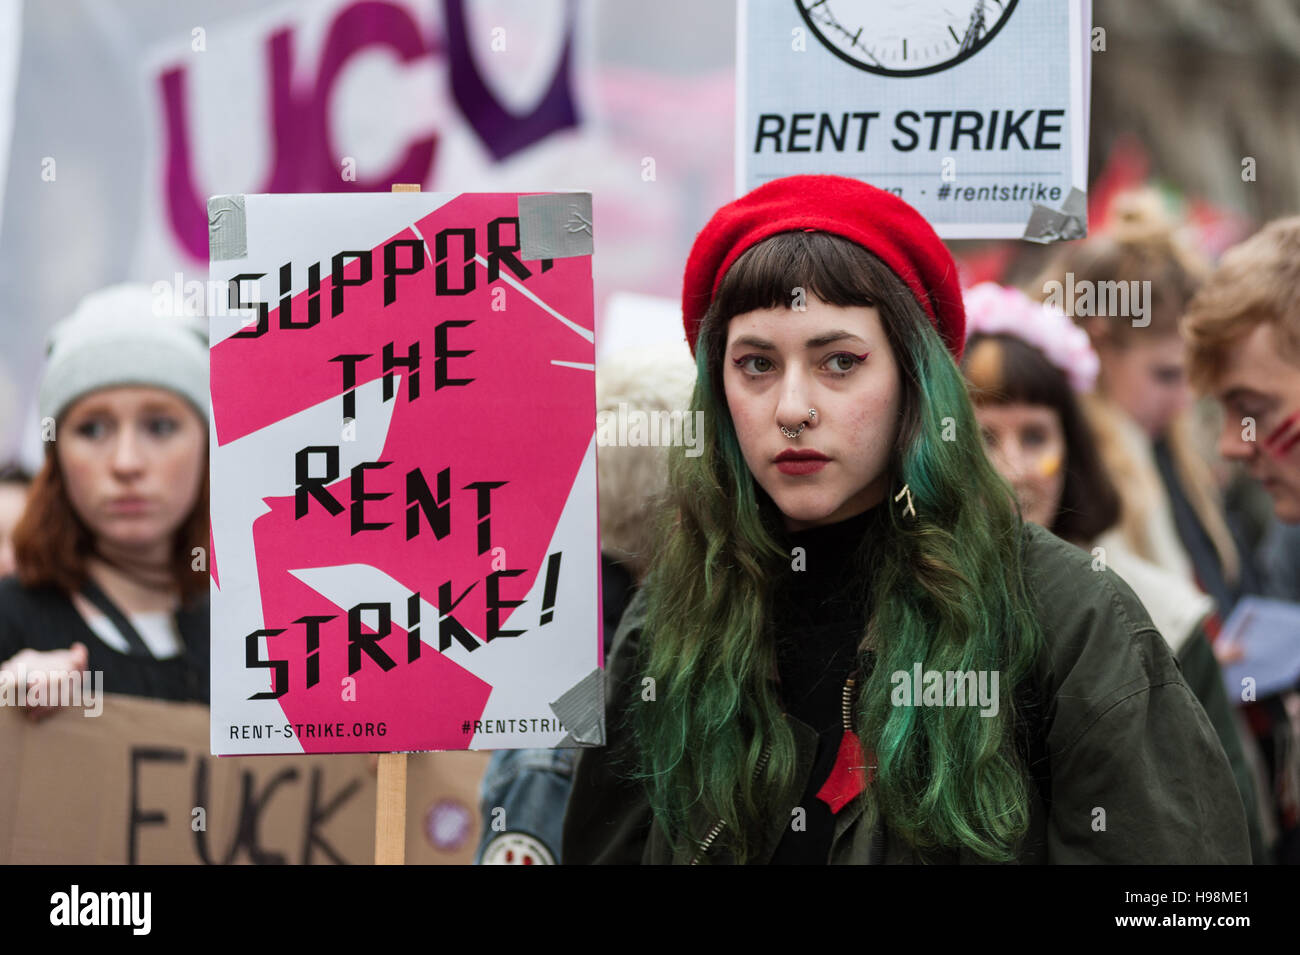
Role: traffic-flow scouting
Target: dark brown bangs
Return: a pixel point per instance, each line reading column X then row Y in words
column 832, row 268
column 1003, row 369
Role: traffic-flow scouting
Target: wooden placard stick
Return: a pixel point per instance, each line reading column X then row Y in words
column 390, row 798
column 390, row 810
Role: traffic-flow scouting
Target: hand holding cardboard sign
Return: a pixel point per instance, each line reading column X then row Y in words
column 33, row 671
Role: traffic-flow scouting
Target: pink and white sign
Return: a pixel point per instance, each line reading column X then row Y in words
column 405, row 550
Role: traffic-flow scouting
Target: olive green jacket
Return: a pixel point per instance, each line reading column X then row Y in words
column 1135, row 772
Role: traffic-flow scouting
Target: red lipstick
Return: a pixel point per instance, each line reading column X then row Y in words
column 803, row 461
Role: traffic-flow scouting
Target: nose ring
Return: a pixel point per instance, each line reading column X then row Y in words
column 812, row 416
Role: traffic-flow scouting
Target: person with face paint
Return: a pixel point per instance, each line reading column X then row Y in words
column 109, row 576
column 1243, row 345
column 849, row 647
column 1026, row 364
column 1243, row 339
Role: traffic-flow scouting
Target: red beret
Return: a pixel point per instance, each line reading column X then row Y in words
column 877, row 220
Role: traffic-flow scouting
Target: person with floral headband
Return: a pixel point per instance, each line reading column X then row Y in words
column 1026, row 364
column 849, row 647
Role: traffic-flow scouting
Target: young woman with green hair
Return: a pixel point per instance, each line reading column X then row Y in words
column 850, row 648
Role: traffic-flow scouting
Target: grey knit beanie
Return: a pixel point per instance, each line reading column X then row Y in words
column 115, row 338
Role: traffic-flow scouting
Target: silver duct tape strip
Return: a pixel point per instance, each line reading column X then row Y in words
column 227, row 228
column 555, row 225
column 1048, row 225
column 581, row 708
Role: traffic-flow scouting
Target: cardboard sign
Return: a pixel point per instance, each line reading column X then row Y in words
column 973, row 111
column 124, row 787
column 405, row 550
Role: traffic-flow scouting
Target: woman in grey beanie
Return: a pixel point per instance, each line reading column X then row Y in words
column 111, row 550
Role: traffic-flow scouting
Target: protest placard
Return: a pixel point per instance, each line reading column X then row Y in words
column 405, row 550
column 1267, row 632
column 973, row 111
column 159, row 798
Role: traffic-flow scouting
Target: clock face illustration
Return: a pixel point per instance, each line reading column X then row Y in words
column 905, row 37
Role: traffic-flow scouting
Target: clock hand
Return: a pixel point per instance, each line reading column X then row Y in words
column 976, row 28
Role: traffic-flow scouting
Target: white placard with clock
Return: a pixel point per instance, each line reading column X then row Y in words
column 974, row 111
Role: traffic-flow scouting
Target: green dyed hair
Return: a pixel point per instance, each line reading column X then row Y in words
column 945, row 587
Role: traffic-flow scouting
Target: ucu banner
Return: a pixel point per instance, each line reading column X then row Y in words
column 127, row 116
column 391, row 81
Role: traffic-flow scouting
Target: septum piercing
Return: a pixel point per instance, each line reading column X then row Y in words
column 812, row 414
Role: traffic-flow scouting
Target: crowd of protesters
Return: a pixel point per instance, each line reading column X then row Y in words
column 1165, row 452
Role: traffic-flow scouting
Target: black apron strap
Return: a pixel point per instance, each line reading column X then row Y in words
column 90, row 590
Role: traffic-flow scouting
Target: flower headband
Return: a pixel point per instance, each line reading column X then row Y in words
column 993, row 309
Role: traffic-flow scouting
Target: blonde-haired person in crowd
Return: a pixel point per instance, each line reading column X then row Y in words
column 1171, row 512
column 1027, row 366
column 638, row 391
column 105, row 550
column 1243, row 335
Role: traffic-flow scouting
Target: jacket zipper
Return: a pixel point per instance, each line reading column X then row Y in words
column 707, row 842
column 847, row 710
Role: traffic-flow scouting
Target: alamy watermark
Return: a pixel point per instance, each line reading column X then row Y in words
column 1086, row 299
column 84, row 689
column 946, row 688
column 637, row 428
column 130, row 909
column 210, row 298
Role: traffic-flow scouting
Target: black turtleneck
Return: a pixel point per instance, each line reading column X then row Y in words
column 818, row 615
